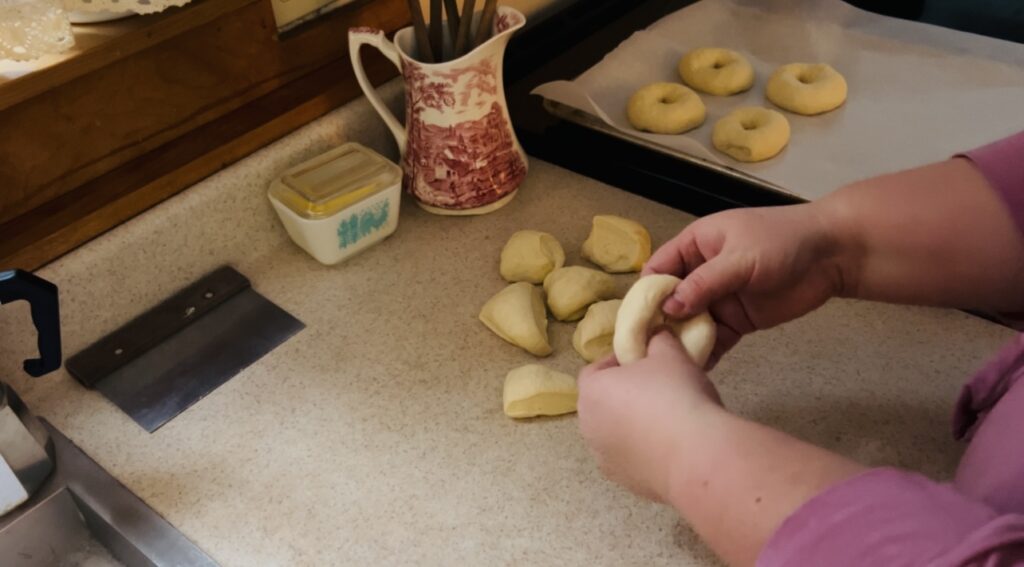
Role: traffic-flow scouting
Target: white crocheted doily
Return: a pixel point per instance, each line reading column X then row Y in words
column 135, row 6
column 30, row 29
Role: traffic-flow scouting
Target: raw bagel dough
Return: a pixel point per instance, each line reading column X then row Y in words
column 751, row 133
column 665, row 108
column 716, row 71
column 530, row 255
column 534, row 390
column 517, row 315
column 617, row 244
column 570, row 290
column 593, row 336
column 806, row 88
column 641, row 312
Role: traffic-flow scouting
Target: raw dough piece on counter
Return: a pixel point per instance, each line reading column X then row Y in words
column 534, row 390
column 665, row 108
column 806, row 88
column 517, row 315
column 570, row 290
column 716, row 71
column 530, row 255
column 751, row 134
column 593, row 336
column 641, row 312
column 617, row 244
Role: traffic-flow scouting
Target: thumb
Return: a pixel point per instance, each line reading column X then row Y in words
column 594, row 368
column 666, row 345
column 706, row 284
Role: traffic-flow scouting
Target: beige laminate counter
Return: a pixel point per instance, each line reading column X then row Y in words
column 376, row 436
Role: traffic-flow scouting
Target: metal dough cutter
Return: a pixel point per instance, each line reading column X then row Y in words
column 172, row 356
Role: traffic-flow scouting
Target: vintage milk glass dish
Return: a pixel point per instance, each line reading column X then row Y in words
column 339, row 203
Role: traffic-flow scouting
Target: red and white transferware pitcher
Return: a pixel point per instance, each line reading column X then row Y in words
column 459, row 153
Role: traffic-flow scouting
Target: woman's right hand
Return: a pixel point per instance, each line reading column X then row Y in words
column 751, row 268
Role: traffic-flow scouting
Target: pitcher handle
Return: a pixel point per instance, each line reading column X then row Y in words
column 358, row 37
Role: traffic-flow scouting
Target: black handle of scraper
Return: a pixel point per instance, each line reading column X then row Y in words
column 42, row 296
column 146, row 331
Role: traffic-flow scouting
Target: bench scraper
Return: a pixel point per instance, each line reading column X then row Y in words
column 172, row 356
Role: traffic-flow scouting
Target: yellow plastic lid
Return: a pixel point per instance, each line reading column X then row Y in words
column 334, row 181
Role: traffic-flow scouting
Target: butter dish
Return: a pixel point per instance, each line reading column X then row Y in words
column 339, row 203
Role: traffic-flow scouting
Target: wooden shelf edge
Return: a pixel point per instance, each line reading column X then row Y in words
column 52, row 230
column 105, row 43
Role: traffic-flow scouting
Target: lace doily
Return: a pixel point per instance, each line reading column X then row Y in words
column 119, row 6
column 30, row 29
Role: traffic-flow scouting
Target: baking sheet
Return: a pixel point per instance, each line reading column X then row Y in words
column 917, row 93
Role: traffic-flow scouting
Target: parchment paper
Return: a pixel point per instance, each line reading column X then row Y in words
column 917, row 93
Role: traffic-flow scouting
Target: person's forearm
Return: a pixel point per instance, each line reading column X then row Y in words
column 936, row 235
column 736, row 481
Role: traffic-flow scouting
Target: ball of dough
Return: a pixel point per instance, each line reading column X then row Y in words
column 665, row 108
column 530, row 255
column 534, row 390
column 517, row 315
column 806, row 88
column 593, row 336
column 617, row 244
column 751, row 133
column 716, row 71
column 570, row 290
column 641, row 312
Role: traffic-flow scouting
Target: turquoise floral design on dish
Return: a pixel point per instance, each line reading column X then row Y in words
column 362, row 224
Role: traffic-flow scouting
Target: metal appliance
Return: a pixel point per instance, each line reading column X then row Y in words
column 26, row 450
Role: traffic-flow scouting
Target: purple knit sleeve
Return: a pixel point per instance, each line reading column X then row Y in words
column 1002, row 164
column 895, row 518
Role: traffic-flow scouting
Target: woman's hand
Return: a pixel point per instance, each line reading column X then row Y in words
column 657, row 427
column 632, row 416
column 751, row 268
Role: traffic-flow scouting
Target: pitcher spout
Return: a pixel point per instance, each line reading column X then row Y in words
column 507, row 21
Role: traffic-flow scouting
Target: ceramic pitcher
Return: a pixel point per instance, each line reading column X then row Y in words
column 460, row 155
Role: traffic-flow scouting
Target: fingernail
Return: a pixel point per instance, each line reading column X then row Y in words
column 673, row 306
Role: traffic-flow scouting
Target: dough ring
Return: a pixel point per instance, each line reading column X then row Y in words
column 806, row 88
column 665, row 108
column 641, row 312
column 716, row 71
column 751, row 133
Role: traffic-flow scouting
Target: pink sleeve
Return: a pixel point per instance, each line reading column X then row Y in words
column 1002, row 164
column 895, row 518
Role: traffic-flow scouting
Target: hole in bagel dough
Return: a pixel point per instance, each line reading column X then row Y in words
column 807, row 77
column 669, row 99
column 749, row 124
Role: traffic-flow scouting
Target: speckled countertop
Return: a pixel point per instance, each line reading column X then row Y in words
column 376, row 436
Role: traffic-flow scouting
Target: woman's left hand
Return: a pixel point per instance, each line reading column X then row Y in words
column 657, row 426
column 632, row 417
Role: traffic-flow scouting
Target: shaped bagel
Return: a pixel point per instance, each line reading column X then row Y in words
column 716, row 71
column 640, row 314
column 665, row 108
column 751, row 134
column 806, row 88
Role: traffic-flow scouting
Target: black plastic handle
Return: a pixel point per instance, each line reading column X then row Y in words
column 42, row 297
